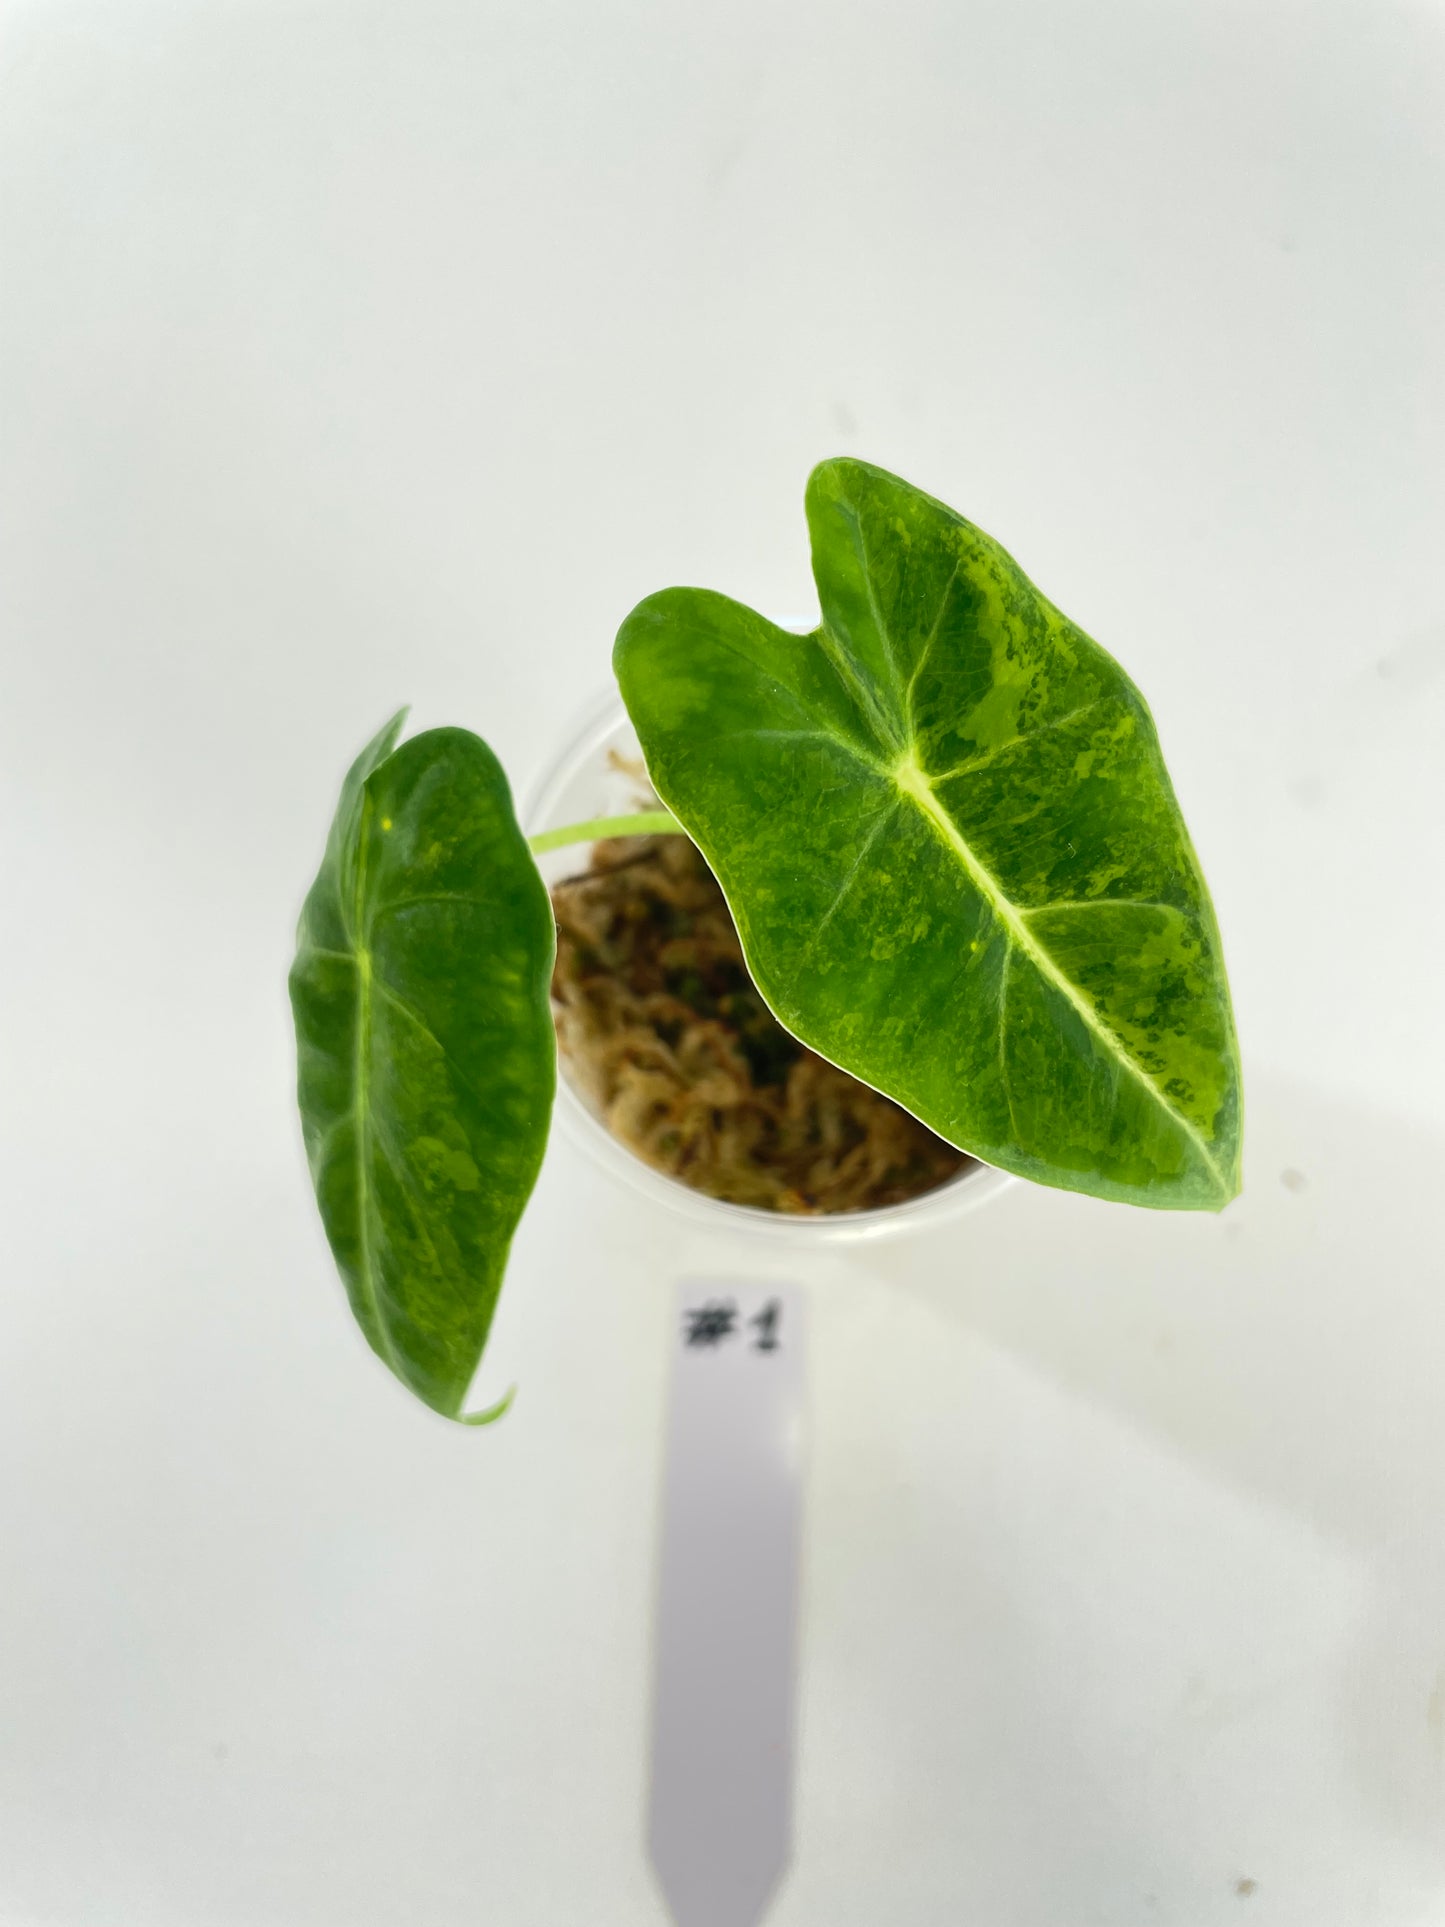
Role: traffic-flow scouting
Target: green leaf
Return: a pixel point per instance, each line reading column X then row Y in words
column 945, row 829
column 426, row 1054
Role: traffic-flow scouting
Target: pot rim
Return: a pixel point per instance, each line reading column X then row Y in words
column 595, row 726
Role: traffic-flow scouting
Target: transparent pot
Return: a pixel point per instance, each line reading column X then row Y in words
column 583, row 783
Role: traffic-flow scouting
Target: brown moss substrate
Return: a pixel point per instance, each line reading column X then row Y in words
column 663, row 1031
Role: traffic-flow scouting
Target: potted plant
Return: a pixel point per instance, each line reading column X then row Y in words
column 943, row 831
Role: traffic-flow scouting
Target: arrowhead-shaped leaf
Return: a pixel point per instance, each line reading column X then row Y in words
column 950, row 843
column 425, row 1048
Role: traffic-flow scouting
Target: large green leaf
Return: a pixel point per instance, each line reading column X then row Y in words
column 425, row 1048
column 946, row 832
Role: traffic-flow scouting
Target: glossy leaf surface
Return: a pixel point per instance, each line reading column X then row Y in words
column 426, row 1054
column 945, row 829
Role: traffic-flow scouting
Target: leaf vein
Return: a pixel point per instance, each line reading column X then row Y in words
column 882, row 627
column 1101, row 903
column 928, row 643
column 366, row 1202
column 985, row 757
column 913, row 782
column 406, row 1184
column 846, row 885
column 409, row 1011
column 1003, row 1075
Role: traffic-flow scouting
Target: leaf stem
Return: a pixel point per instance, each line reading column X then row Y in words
column 645, row 823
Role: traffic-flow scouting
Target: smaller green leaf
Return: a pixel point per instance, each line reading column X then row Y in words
column 425, row 1049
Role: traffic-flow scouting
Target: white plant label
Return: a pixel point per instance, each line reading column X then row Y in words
column 720, row 1815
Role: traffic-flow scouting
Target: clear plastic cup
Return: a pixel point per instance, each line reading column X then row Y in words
column 581, row 784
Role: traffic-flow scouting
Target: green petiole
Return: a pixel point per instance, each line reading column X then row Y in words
column 645, row 823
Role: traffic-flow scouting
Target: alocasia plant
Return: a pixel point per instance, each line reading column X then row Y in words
column 945, row 830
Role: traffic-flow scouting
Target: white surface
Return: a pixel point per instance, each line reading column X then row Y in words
column 359, row 353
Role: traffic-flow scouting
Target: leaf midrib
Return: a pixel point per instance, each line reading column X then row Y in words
column 909, row 777
column 362, row 1083
column 913, row 782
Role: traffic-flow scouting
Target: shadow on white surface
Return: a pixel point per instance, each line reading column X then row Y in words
column 1173, row 1505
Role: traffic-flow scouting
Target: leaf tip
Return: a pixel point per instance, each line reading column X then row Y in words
column 826, row 478
column 1229, row 1182
column 491, row 1414
column 392, row 731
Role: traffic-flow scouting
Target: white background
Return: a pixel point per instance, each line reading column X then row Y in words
column 354, row 354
